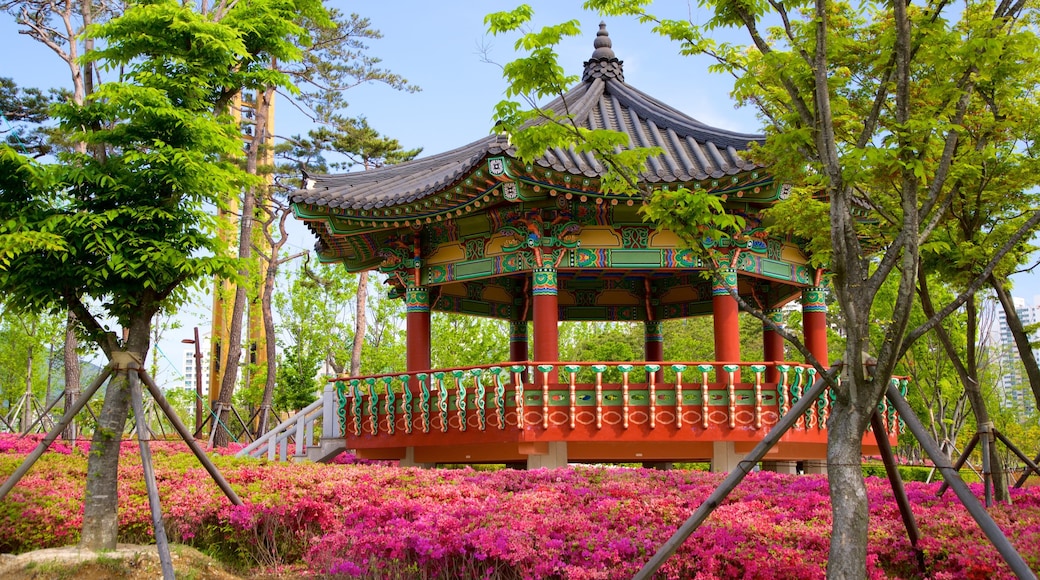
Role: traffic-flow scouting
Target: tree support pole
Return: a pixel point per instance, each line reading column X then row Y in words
column 898, row 489
column 70, row 415
column 60, row 396
column 1031, row 465
column 953, row 478
column 163, row 545
column 731, row 481
column 186, row 435
column 960, row 463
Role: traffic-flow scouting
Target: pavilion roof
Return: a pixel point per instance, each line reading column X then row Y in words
column 692, row 150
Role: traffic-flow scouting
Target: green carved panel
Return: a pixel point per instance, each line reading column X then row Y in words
column 635, row 258
column 775, row 269
column 474, row 269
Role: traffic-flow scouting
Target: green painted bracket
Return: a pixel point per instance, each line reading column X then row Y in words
column 652, row 368
column 545, row 368
column 758, row 368
column 599, row 368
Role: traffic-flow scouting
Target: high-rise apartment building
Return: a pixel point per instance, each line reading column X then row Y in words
column 1014, row 385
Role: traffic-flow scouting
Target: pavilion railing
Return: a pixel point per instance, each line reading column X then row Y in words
column 444, row 399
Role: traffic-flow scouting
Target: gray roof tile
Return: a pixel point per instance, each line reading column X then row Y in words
column 691, row 150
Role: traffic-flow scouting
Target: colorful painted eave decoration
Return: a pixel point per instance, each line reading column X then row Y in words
column 481, row 189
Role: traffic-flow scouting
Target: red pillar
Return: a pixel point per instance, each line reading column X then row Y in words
column 546, row 317
column 772, row 343
column 417, row 304
column 517, row 340
column 653, row 348
column 725, row 314
column 814, row 321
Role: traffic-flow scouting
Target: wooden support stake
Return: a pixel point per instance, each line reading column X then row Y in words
column 39, row 419
column 898, row 489
column 1031, row 466
column 67, row 418
column 186, row 436
column 163, row 545
column 732, row 480
column 953, row 478
column 960, row 462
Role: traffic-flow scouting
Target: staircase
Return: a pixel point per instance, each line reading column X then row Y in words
column 298, row 431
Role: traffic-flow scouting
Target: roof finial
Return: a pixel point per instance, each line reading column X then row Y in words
column 602, row 43
column 603, row 64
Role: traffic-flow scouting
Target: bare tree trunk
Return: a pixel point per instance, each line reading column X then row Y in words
column 269, row 346
column 221, row 437
column 27, row 419
column 848, row 492
column 360, row 324
column 273, row 263
column 978, row 405
column 100, row 500
column 1025, row 350
column 969, row 377
column 72, row 378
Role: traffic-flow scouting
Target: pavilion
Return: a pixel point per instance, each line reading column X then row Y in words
column 476, row 231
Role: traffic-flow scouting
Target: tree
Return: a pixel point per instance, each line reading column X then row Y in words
column 333, row 61
column 865, row 106
column 297, row 379
column 23, row 108
column 61, row 26
column 128, row 225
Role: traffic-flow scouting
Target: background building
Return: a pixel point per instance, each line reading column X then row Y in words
column 1013, row 383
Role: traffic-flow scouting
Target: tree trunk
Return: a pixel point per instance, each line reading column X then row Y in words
column 101, row 498
column 848, row 492
column 72, row 377
column 1025, row 350
column 221, row 437
column 978, row 405
column 27, row 420
column 969, row 377
column 360, row 324
column 269, row 346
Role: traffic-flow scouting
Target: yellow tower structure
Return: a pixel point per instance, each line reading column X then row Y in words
column 245, row 107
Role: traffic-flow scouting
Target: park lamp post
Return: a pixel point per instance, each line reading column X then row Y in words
column 198, row 379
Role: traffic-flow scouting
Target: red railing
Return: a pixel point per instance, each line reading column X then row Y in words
column 585, row 395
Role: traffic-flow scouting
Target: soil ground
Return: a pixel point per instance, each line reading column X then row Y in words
column 128, row 561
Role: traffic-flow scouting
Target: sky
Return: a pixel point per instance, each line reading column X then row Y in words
column 443, row 48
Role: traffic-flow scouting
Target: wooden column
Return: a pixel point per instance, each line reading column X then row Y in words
column 653, row 349
column 417, row 301
column 546, row 317
column 814, row 321
column 725, row 314
column 772, row 343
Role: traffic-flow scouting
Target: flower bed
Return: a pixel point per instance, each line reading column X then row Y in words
column 376, row 521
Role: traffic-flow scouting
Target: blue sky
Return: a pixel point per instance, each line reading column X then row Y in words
column 437, row 46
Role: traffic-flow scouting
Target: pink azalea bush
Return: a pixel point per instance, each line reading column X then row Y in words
column 378, row 521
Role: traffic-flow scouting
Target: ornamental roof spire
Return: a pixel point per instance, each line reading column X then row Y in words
column 603, row 64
